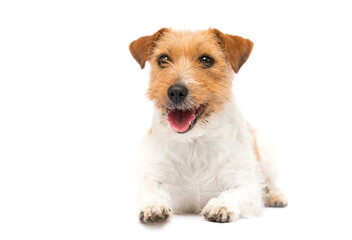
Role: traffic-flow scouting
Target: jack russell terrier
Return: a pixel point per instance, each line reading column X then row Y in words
column 200, row 155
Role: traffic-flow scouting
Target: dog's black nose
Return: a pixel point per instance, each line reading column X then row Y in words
column 177, row 93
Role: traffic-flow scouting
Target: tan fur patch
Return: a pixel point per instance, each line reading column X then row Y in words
column 142, row 47
column 255, row 145
column 207, row 86
column 210, row 86
column 237, row 49
column 149, row 131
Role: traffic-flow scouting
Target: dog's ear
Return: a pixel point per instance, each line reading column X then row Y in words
column 237, row 49
column 141, row 48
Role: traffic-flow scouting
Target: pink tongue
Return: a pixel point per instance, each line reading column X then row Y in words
column 181, row 120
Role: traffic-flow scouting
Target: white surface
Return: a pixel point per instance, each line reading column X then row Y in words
column 73, row 106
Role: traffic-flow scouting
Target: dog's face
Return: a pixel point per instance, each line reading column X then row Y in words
column 191, row 72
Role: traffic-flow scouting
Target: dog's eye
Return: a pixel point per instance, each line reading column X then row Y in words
column 207, row 61
column 163, row 60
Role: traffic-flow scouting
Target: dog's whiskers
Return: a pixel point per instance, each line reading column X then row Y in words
column 204, row 122
column 186, row 105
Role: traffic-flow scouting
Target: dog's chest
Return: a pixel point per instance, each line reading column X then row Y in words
column 196, row 174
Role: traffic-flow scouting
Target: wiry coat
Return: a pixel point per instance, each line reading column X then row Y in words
column 221, row 166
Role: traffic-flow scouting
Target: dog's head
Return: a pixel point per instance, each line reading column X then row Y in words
column 191, row 72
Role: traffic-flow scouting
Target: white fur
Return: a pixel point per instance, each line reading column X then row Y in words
column 213, row 165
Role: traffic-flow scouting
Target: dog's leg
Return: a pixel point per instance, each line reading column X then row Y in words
column 154, row 203
column 243, row 201
column 267, row 164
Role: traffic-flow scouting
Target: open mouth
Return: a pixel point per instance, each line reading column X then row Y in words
column 181, row 121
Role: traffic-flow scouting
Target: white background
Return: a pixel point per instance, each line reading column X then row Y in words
column 73, row 108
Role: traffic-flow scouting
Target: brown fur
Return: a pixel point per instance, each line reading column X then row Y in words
column 211, row 86
column 142, row 47
column 236, row 48
column 149, row 131
column 255, row 146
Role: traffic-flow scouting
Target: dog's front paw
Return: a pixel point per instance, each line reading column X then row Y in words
column 274, row 198
column 154, row 214
column 218, row 214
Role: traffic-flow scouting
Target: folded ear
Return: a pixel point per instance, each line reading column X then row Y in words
column 237, row 49
column 142, row 47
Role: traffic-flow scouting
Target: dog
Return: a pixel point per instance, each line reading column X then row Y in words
column 200, row 155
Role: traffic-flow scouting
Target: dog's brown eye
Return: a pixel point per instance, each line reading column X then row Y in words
column 207, row 61
column 163, row 60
